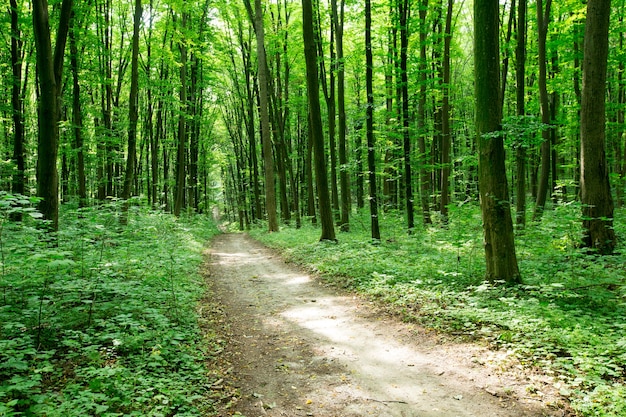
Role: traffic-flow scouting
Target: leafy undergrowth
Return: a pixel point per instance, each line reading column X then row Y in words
column 568, row 318
column 105, row 322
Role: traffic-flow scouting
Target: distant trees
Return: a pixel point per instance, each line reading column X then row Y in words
column 150, row 115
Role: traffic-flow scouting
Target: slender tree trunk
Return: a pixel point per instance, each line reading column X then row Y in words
column 344, row 178
column 520, row 96
column 404, row 86
column 181, row 148
column 50, row 66
column 133, row 113
column 270, row 190
column 369, row 120
column 421, row 117
column 445, row 115
column 17, row 104
column 77, row 118
column 544, row 175
column 315, row 119
column 598, row 233
column 497, row 223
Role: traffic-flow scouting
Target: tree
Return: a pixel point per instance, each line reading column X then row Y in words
column 369, row 121
column 315, row 120
column 50, row 75
column 597, row 201
column 520, row 97
column 497, row 223
column 270, row 190
column 133, row 115
column 404, row 86
column 421, row 116
column 543, row 19
column 17, row 103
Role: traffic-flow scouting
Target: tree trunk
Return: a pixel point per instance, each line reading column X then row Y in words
column 404, row 86
column 445, row 115
column 181, row 148
column 369, row 121
column 421, row 117
column 50, row 66
column 77, row 118
column 497, row 223
column 315, row 119
column 544, row 175
column 598, row 233
column 17, row 104
column 133, row 113
column 520, row 97
column 270, row 190
column 344, row 179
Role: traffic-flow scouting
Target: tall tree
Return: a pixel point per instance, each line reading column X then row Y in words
column 256, row 16
column 421, row 115
column 598, row 233
column 133, row 113
column 496, row 213
column 315, row 120
column 77, row 116
column 446, row 139
column 17, row 102
column 543, row 19
column 181, row 143
column 404, row 86
column 344, row 179
column 369, row 121
column 520, row 97
column 50, row 75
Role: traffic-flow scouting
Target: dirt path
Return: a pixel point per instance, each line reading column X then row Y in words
column 299, row 349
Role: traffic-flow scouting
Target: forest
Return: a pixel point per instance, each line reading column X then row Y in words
column 463, row 162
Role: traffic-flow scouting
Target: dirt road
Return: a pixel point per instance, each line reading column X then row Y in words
column 297, row 348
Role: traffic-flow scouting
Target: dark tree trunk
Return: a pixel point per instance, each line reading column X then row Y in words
column 520, row 96
column 77, row 119
column 50, row 70
column 17, row 104
column 497, row 223
column 369, row 121
column 544, row 175
column 344, row 178
column 133, row 113
column 598, row 233
column 181, row 148
column 315, row 119
column 421, row 117
column 404, row 86
column 256, row 16
column 445, row 115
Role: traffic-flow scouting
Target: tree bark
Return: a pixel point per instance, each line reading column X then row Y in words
column 270, row 189
column 315, row 119
column 520, row 96
column 50, row 65
column 445, row 115
column 421, row 117
column 598, row 233
column 544, row 175
column 500, row 254
column 181, row 148
column 404, row 86
column 369, row 121
column 133, row 113
column 77, row 118
column 344, row 179
column 17, row 104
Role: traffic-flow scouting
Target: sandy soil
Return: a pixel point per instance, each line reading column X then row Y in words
column 298, row 348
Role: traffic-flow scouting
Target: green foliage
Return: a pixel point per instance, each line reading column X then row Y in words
column 567, row 318
column 103, row 322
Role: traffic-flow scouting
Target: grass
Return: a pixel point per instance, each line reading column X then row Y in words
column 103, row 323
column 568, row 318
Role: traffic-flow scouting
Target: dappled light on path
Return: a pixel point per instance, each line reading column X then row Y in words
column 301, row 350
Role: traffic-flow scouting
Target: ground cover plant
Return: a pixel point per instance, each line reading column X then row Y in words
column 567, row 318
column 102, row 321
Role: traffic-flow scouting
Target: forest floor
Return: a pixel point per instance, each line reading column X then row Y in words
column 295, row 347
